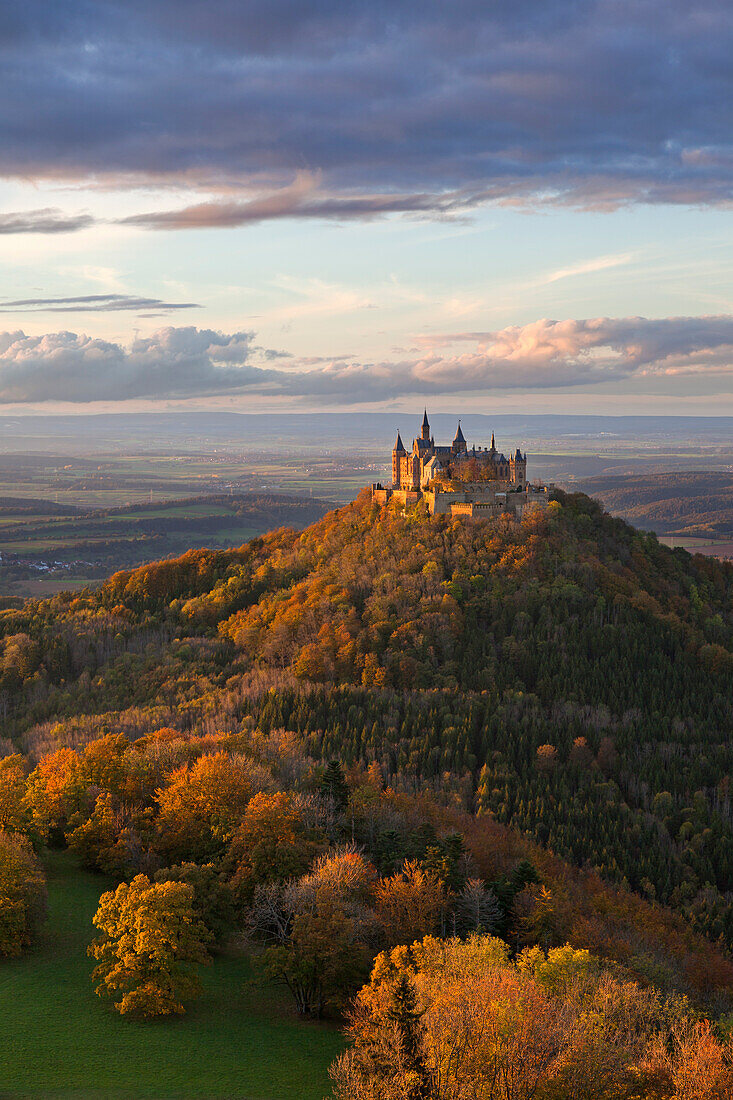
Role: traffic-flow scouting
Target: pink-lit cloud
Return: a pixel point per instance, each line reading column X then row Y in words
column 184, row 362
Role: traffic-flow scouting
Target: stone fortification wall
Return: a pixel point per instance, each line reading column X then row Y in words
column 475, row 499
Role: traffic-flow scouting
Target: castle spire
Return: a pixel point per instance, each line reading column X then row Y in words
column 425, row 426
column 459, row 443
column 493, row 444
column 399, row 445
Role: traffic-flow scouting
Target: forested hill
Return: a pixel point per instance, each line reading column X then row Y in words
column 568, row 674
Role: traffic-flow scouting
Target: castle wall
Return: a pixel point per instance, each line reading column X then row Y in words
column 478, row 500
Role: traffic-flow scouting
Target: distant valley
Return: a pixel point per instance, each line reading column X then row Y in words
column 695, row 507
column 47, row 547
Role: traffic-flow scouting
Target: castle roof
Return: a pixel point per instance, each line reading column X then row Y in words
column 398, row 445
column 425, row 423
column 459, row 435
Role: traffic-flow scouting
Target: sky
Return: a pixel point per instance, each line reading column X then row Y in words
column 323, row 204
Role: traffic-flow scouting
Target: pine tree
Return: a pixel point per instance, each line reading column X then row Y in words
column 404, row 1012
column 334, row 786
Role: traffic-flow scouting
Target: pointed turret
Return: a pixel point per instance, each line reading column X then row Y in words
column 399, row 454
column 425, row 427
column 493, row 444
column 459, row 443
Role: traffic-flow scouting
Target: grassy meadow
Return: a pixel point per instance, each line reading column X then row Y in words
column 58, row 1040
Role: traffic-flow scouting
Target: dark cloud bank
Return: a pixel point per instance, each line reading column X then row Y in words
column 392, row 106
column 189, row 362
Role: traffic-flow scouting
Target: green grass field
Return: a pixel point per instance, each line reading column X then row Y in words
column 58, row 1040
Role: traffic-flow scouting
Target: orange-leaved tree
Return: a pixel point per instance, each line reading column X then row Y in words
column 150, row 934
column 410, row 903
column 273, row 842
column 202, row 804
column 457, row 1020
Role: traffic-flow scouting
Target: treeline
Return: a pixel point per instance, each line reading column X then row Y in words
column 30, row 506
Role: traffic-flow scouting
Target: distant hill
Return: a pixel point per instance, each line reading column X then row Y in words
column 690, row 503
column 27, row 506
column 45, row 547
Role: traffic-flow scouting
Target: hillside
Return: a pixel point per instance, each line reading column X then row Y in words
column 568, row 676
column 695, row 503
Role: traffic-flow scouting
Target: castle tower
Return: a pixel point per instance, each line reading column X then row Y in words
column 425, row 434
column 518, row 468
column 398, row 453
column 459, row 443
column 414, row 465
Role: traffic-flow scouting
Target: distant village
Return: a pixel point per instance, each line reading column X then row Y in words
column 42, row 565
column 458, row 480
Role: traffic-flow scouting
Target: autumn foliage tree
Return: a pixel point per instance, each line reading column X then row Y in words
column 273, row 842
column 14, row 816
column 410, row 903
column 150, row 936
column 203, row 803
column 456, row 1020
column 22, row 893
column 324, row 958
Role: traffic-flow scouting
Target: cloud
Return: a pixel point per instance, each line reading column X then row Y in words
column 173, row 363
column 588, row 267
column 92, row 303
column 43, row 221
column 550, row 354
column 396, row 104
column 303, row 200
column 543, row 355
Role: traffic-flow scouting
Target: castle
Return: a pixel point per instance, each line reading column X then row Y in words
column 457, row 480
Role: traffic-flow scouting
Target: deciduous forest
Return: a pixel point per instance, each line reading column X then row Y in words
column 461, row 788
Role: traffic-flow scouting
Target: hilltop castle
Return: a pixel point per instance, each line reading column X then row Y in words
column 457, row 480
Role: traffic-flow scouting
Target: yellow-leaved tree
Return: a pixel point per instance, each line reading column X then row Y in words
column 13, row 814
column 22, row 893
column 150, row 934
